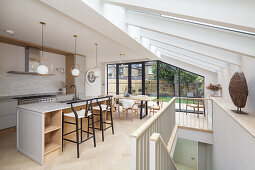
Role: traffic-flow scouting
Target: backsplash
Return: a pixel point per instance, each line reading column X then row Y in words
column 13, row 84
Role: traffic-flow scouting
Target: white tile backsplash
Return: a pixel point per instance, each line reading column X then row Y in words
column 18, row 84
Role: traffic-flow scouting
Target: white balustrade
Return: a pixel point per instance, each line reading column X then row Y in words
column 190, row 114
column 163, row 123
column 160, row 158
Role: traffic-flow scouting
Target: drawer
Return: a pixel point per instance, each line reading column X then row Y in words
column 8, row 107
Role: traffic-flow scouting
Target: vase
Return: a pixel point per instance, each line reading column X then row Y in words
column 213, row 93
column 63, row 90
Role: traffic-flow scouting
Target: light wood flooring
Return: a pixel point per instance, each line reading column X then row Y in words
column 112, row 154
column 191, row 120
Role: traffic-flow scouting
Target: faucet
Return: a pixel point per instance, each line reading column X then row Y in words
column 75, row 92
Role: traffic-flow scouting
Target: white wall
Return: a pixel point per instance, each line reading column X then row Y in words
column 233, row 147
column 185, row 150
column 209, row 77
column 96, row 88
column 248, row 67
column 12, row 58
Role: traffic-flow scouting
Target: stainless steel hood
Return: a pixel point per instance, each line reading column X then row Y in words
column 32, row 57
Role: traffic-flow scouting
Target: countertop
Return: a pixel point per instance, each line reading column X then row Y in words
column 51, row 106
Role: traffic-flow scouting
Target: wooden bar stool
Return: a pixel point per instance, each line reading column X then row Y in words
column 79, row 115
column 104, row 108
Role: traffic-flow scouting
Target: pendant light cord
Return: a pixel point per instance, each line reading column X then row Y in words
column 75, row 46
column 96, row 55
column 42, row 40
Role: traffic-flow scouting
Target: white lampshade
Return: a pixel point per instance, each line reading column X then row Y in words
column 42, row 70
column 97, row 72
column 75, row 72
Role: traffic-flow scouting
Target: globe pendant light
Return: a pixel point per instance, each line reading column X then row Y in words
column 42, row 69
column 74, row 70
column 97, row 70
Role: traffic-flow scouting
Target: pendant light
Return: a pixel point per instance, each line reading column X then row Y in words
column 97, row 70
column 42, row 69
column 75, row 70
column 121, row 58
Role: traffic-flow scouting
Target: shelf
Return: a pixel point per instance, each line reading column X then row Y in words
column 51, row 147
column 51, row 128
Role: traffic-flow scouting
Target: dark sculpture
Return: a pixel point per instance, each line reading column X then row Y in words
column 238, row 90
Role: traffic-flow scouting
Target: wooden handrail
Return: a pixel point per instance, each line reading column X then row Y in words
column 193, row 98
column 143, row 128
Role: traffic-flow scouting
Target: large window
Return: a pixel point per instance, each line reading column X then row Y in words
column 136, row 79
column 168, row 80
column 111, row 79
column 151, row 78
column 123, row 78
column 154, row 78
column 192, row 85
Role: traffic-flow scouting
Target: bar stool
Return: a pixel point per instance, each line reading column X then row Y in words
column 79, row 115
column 104, row 108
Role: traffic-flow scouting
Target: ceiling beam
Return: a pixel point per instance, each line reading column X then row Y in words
column 232, row 42
column 180, row 57
column 193, row 55
column 188, row 62
column 229, row 14
column 192, row 46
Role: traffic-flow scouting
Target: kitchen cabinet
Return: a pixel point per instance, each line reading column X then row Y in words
column 8, row 113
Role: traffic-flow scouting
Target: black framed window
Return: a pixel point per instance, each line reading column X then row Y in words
column 153, row 78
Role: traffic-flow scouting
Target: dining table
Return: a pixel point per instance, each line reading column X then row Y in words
column 141, row 98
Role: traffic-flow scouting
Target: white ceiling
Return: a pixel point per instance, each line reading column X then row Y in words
column 23, row 17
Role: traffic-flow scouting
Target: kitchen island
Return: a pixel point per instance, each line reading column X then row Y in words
column 39, row 127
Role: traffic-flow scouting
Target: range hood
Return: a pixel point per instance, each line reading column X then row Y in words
column 32, row 57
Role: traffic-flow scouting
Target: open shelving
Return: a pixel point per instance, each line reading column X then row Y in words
column 52, row 135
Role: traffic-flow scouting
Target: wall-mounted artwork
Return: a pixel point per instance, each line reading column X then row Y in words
column 238, row 90
column 90, row 77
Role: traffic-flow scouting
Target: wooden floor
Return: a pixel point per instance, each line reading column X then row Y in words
column 112, row 154
column 191, row 120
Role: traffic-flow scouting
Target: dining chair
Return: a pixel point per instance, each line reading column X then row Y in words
column 129, row 105
column 158, row 104
column 196, row 105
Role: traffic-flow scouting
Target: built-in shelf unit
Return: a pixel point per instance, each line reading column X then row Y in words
column 52, row 135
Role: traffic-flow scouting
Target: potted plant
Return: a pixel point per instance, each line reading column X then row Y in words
column 214, row 88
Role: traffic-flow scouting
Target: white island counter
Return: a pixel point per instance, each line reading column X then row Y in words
column 39, row 129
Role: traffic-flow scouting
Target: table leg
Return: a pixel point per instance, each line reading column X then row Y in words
column 141, row 111
column 146, row 107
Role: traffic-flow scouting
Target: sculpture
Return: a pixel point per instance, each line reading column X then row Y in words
column 238, row 90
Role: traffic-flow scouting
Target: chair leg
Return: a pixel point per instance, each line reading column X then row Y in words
column 198, row 112
column 93, row 129
column 112, row 122
column 101, row 124
column 122, row 114
column 81, row 129
column 204, row 111
column 88, row 127
column 77, row 138
column 132, row 115
column 62, row 132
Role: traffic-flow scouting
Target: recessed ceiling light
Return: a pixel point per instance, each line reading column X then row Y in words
column 10, row 32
